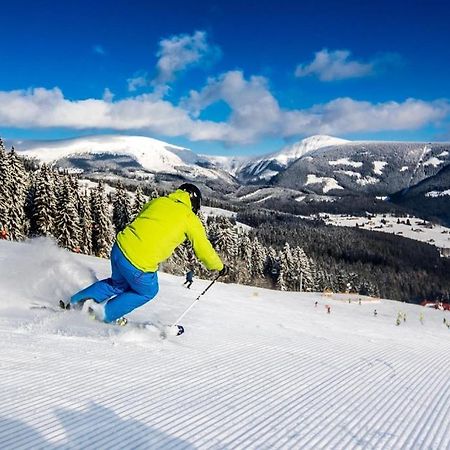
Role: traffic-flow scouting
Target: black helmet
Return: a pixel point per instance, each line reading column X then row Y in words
column 194, row 194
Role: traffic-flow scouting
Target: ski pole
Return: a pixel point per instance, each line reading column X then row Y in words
column 180, row 329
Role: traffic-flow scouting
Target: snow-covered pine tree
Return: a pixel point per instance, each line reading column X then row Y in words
column 121, row 208
column 67, row 221
column 17, row 224
column 29, row 203
column 302, row 270
column 281, row 283
column 259, row 255
column 315, row 275
column 5, row 181
column 244, row 262
column 102, row 234
column 44, row 203
column 342, row 282
column 272, row 265
column 288, row 268
column 85, row 216
column 353, row 282
column 139, row 202
column 224, row 237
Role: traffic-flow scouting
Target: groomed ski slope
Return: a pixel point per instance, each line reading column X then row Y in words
column 256, row 369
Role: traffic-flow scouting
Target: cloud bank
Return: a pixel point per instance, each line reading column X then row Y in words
column 255, row 113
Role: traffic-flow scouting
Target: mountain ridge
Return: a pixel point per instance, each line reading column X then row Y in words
column 323, row 168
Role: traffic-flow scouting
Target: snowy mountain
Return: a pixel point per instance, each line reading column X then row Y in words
column 127, row 155
column 365, row 168
column 254, row 369
column 264, row 168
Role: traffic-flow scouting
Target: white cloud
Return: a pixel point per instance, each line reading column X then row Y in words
column 345, row 115
column 138, row 81
column 180, row 52
column 337, row 65
column 47, row 108
column 254, row 113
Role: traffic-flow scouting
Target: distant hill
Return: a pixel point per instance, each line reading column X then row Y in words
column 127, row 156
column 430, row 197
column 364, row 168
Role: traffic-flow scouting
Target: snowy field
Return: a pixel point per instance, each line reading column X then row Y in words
column 436, row 235
column 255, row 369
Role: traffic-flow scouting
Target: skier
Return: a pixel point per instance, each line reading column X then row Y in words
column 189, row 279
column 162, row 225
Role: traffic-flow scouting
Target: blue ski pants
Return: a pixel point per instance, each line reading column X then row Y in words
column 126, row 289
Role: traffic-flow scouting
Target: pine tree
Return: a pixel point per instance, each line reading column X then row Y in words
column 121, row 208
column 259, row 255
column 18, row 190
column 5, row 182
column 85, row 216
column 302, row 269
column 281, row 282
column 44, row 202
column 67, row 221
column 243, row 267
column 287, row 267
column 224, row 237
column 139, row 202
column 102, row 235
column 272, row 265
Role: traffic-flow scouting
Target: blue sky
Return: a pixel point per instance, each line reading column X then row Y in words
column 224, row 77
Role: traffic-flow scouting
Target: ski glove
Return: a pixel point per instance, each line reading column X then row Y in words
column 224, row 271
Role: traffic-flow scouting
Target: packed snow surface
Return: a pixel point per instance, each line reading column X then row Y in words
column 255, row 369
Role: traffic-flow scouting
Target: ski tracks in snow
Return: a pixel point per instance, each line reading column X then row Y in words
column 241, row 391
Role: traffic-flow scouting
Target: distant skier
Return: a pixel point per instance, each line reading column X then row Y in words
column 328, row 307
column 315, row 304
column 375, row 313
column 162, row 225
column 189, row 279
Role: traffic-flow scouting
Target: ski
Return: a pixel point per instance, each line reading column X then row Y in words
column 164, row 330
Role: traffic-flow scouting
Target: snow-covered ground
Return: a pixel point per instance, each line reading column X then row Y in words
column 418, row 229
column 256, row 369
